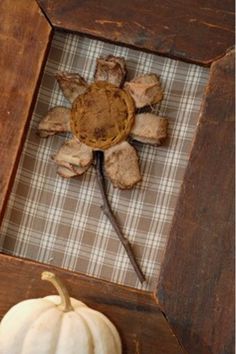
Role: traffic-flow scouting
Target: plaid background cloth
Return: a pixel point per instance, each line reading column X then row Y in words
column 59, row 221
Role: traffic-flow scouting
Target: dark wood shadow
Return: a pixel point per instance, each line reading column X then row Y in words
column 196, row 31
column 196, row 287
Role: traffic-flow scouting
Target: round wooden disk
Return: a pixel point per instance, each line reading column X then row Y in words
column 102, row 116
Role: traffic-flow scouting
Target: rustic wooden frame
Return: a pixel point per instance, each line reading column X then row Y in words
column 198, row 303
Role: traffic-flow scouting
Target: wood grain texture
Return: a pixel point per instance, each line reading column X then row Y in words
column 24, row 37
column 196, row 287
column 141, row 324
column 196, row 31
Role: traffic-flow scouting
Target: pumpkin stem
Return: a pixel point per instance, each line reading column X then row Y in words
column 65, row 304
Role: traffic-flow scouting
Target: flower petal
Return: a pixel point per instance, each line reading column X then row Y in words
column 145, row 90
column 149, row 128
column 121, row 165
column 65, row 172
column 74, row 156
column 111, row 69
column 57, row 120
column 71, row 84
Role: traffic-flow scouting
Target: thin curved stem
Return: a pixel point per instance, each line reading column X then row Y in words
column 106, row 208
column 65, row 304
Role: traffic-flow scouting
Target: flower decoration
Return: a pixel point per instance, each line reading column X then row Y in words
column 104, row 118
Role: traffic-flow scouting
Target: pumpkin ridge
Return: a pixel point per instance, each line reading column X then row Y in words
column 23, row 324
column 109, row 326
column 61, row 318
column 85, row 323
column 28, row 329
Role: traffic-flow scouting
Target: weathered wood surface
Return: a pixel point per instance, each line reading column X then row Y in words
column 196, row 31
column 24, row 36
column 196, row 287
column 141, row 324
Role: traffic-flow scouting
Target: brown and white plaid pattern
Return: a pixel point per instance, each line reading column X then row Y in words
column 59, row 221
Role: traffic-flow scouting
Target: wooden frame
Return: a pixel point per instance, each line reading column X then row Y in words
column 198, row 302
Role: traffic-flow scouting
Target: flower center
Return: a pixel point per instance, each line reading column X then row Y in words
column 102, row 116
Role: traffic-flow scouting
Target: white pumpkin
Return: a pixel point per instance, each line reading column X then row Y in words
column 57, row 325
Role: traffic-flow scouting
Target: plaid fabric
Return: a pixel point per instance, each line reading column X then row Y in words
column 59, row 221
